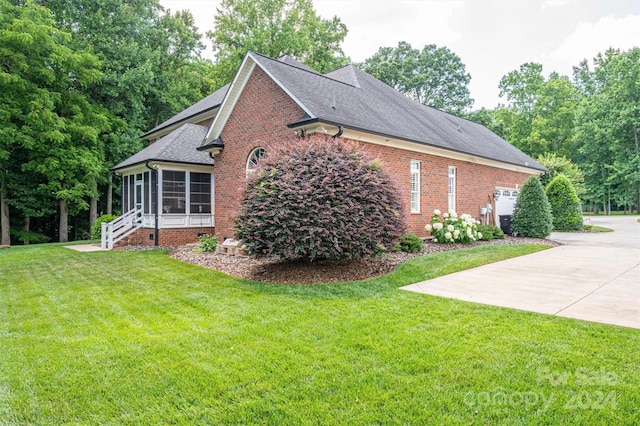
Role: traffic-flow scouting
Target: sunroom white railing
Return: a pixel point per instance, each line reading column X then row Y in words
column 120, row 228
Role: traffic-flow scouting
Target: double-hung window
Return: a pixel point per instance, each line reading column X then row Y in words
column 452, row 189
column 415, row 186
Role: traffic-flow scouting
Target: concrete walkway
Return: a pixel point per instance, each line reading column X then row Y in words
column 593, row 277
column 85, row 247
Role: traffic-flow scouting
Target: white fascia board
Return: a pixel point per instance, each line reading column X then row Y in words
column 230, row 99
column 361, row 136
column 192, row 120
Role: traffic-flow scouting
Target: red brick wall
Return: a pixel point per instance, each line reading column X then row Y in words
column 166, row 236
column 259, row 118
column 475, row 183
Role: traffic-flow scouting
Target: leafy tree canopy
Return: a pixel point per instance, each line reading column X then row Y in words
column 433, row 76
column 275, row 28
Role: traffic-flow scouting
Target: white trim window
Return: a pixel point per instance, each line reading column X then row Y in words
column 415, row 186
column 451, row 189
column 254, row 158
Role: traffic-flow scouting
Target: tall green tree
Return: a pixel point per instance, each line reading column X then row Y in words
column 608, row 126
column 433, row 76
column 151, row 63
column 275, row 28
column 49, row 127
column 540, row 112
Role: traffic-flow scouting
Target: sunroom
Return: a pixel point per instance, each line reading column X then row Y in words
column 167, row 192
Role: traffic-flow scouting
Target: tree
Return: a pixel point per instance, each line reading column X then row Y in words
column 561, row 165
column 607, row 128
column 565, row 205
column 49, row 128
column 319, row 198
column 532, row 213
column 275, row 28
column 434, row 76
column 540, row 111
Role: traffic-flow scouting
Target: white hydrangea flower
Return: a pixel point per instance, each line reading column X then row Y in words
column 447, row 235
column 437, row 226
column 428, row 227
column 450, row 228
column 479, row 235
column 437, row 212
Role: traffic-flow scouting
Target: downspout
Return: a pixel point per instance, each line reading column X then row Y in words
column 155, row 213
column 340, row 131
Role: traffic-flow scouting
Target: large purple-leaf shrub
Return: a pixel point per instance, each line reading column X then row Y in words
column 319, row 198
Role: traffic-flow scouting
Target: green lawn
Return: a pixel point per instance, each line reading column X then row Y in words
column 139, row 338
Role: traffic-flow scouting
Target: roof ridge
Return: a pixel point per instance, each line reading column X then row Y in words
column 307, row 71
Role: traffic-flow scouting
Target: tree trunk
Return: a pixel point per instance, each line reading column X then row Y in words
column 63, row 227
column 26, row 226
column 110, row 195
column 93, row 207
column 5, row 236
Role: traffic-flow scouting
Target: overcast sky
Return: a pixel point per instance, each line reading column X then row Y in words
column 492, row 37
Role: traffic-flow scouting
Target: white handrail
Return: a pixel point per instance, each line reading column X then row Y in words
column 120, row 228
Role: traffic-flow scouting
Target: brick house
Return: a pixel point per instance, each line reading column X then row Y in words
column 190, row 179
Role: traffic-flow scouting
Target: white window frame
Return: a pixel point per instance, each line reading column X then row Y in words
column 415, row 186
column 252, row 161
column 451, row 189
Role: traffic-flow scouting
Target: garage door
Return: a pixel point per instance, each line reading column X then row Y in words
column 505, row 203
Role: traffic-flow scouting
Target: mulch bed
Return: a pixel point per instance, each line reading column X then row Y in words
column 275, row 271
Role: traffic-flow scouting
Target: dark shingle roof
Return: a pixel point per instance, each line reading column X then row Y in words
column 178, row 146
column 208, row 103
column 354, row 99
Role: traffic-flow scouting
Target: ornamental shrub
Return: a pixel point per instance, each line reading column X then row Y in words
column 565, row 205
column 319, row 198
column 490, row 232
column 453, row 229
column 532, row 213
column 410, row 243
column 96, row 230
column 207, row 242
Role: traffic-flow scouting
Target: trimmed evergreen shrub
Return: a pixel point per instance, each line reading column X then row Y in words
column 490, row 232
column 565, row 205
column 96, row 230
column 319, row 198
column 410, row 243
column 532, row 213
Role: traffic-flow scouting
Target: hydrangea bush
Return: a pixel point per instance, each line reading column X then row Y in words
column 453, row 229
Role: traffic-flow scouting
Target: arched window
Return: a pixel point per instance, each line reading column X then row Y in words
column 254, row 157
column 506, row 193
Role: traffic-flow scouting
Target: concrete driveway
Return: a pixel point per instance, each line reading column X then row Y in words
column 593, row 277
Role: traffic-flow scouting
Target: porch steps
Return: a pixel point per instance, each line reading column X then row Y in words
column 120, row 228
